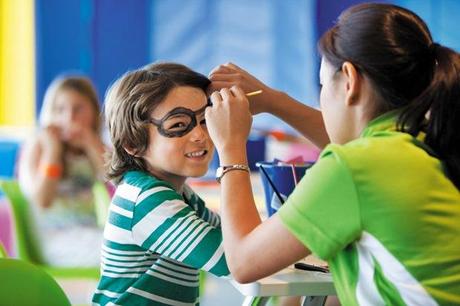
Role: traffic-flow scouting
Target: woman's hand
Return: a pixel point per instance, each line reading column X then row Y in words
column 229, row 120
column 228, row 75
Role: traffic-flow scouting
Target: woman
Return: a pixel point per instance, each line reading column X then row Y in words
column 382, row 204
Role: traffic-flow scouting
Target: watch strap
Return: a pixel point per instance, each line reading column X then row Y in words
column 225, row 169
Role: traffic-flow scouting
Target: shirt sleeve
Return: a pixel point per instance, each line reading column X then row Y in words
column 206, row 214
column 165, row 224
column 323, row 211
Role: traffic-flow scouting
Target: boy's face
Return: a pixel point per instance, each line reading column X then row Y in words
column 173, row 159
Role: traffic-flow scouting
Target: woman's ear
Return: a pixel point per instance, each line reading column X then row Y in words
column 352, row 83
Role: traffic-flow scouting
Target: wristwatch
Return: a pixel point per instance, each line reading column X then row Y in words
column 224, row 169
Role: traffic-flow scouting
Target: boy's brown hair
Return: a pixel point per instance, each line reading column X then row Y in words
column 128, row 105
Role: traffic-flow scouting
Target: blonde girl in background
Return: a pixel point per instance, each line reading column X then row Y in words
column 58, row 169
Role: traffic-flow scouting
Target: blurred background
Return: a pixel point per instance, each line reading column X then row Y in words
column 273, row 39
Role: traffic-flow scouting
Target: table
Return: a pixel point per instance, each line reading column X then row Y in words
column 315, row 286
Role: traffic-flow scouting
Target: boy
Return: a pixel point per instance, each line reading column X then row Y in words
column 159, row 232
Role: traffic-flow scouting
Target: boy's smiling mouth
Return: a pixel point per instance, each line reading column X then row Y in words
column 197, row 153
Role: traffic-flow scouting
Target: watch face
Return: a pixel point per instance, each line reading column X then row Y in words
column 219, row 172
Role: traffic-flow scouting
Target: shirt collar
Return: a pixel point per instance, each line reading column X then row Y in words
column 385, row 122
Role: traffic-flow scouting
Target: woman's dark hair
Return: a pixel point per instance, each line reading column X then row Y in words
column 393, row 47
column 129, row 103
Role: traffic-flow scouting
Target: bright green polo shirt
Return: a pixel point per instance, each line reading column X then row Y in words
column 382, row 212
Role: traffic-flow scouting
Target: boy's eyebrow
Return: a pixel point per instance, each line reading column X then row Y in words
column 202, row 109
column 197, row 112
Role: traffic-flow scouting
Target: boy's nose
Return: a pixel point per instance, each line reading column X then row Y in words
column 198, row 133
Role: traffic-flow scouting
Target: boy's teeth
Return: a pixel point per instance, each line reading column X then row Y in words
column 195, row 154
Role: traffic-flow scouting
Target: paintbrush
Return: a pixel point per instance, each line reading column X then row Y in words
column 249, row 94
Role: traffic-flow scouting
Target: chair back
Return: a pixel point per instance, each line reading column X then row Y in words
column 3, row 253
column 23, row 283
column 101, row 202
column 27, row 244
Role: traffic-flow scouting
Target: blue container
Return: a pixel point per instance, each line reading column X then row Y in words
column 255, row 148
column 279, row 182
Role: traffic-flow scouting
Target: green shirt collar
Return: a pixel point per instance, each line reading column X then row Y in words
column 385, row 122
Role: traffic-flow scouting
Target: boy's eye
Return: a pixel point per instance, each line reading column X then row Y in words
column 178, row 125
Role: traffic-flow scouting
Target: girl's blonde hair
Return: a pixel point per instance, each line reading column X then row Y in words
column 80, row 84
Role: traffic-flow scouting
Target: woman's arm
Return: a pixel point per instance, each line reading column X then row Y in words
column 253, row 249
column 307, row 120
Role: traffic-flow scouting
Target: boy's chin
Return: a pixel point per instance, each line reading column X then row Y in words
column 197, row 173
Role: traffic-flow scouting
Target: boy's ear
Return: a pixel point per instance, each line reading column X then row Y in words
column 131, row 151
column 353, row 83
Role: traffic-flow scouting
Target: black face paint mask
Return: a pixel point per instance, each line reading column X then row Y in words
column 179, row 122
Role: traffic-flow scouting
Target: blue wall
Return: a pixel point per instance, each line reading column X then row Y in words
column 442, row 17
column 98, row 38
column 9, row 150
column 273, row 39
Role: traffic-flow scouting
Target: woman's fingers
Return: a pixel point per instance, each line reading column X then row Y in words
column 216, row 98
column 224, row 80
column 238, row 92
column 232, row 66
column 226, row 94
column 224, row 76
column 216, row 86
column 221, row 68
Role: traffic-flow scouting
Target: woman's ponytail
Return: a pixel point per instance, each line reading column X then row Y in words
column 436, row 111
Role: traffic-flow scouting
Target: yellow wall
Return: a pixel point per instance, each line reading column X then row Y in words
column 17, row 62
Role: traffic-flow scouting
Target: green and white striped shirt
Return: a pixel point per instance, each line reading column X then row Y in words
column 155, row 243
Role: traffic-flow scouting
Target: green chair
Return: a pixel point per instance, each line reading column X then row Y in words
column 27, row 245
column 3, row 253
column 101, row 202
column 23, row 283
